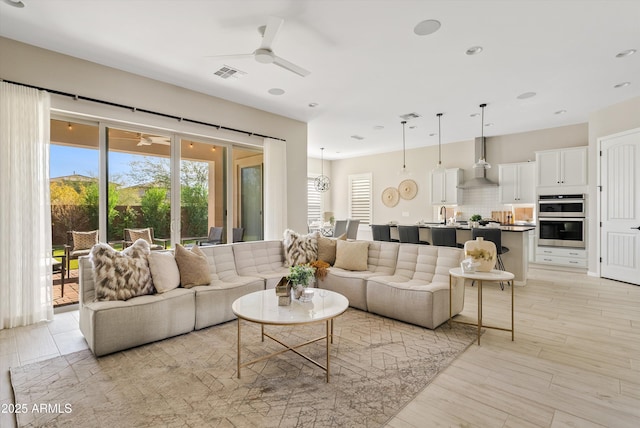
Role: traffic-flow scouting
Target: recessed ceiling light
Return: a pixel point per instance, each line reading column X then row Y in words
column 276, row 91
column 474, row 50
column 622, row 85
column 560, row 112
column 526, row 95
column 15, row 3
column 378, row 127
column 628, row 52
column 427, row 27
column 312, row 105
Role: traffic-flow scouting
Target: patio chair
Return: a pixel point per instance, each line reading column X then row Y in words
column 78, row 244
column 132, row 235
column 215, row 236
column 238, row 234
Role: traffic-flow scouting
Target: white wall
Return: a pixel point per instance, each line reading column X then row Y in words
column 39, row 67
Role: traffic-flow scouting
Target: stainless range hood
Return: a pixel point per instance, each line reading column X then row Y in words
column 479, row 169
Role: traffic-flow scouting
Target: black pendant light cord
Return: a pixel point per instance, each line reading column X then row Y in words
column 482, row 106
column 439, row 140
column 404, row 152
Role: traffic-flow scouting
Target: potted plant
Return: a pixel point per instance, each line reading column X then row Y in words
column 300, row 276
column 475, row 219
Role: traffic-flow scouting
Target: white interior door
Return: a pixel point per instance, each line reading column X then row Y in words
column 620, row 207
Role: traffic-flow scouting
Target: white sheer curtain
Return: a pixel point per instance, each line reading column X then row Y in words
column 275, row 188
column 25, row 211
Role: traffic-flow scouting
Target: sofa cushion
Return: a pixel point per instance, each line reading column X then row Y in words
column 164, row 271
column 193, row 266
column 327, row 247
column 121, row 275
column 352, row 255
column 262, row 259
column 299, row 249
column 84, row 240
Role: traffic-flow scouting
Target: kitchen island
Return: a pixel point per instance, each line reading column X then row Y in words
column 514, row 237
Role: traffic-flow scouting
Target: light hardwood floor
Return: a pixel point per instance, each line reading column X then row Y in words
column 575, row 361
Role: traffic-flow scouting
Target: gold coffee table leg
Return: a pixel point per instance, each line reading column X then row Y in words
column 329, row 329
column 238, row 348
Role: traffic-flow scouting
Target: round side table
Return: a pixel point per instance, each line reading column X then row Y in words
column 493, row 276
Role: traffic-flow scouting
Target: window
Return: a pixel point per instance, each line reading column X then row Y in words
column 314, row 202
column 360, row 194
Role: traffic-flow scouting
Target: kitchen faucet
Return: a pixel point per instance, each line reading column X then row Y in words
column 443, row 214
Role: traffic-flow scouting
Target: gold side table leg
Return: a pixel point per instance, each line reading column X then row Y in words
column 262, row 331
column 238, row 356
column 328, row 328
column 512, row 310
column 479, row 309
column 450, row 285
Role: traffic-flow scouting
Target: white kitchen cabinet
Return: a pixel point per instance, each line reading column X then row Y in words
column 564, row 167
column 570, row 257
column 517, row 183
column 444, row 187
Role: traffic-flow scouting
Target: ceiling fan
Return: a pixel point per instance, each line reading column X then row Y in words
column 143, row 139
column 265, row 54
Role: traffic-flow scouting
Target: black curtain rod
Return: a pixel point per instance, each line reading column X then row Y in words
column 135, row 109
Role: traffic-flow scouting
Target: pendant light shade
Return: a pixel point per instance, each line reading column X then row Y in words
column 322, row 183
column 404, row 170
column 439, row 168
column 482, row 163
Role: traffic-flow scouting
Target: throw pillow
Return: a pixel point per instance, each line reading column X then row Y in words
column 299, row 249
column 327, row 248
column 164, row 271
column 352, row 255
column 193, row 266
column 135, row 234
column 84, row 240
column 121, row 275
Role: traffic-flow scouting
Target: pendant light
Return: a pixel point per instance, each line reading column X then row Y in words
column 322, row 182
column 482, row 163
column 404, row 170
column 439, row 168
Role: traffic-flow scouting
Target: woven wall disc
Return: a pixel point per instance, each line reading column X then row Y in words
column 390, row 196
column 408, row 189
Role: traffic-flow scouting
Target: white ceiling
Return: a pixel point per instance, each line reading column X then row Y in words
column 367, row 65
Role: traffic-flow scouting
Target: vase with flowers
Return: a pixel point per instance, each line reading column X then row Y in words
column 299, row 277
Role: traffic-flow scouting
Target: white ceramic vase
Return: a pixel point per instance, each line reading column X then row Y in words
column 483, row 252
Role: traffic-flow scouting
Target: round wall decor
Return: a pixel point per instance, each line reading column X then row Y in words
column 390, row 196
column 408, row 189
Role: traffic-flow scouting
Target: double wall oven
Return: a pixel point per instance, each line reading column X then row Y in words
column 561, row 220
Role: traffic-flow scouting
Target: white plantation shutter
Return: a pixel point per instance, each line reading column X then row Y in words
column 314, row 202
column 360, row 194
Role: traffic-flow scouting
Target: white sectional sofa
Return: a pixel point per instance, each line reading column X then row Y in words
column 402, row 281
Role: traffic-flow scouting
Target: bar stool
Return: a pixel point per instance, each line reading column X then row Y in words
column 381, row 232
column 444, row 237
column 410, row 235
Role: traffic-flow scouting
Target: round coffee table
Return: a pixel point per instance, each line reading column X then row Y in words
column 261, row 307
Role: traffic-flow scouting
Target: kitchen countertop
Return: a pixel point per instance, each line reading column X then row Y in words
column 504, row 228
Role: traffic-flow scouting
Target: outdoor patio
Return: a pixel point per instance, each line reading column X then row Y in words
column 70, row 289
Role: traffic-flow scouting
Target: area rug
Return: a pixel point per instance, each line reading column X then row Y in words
column 377, row 366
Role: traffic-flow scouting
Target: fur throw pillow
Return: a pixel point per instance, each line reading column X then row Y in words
column 121, row 275
column 299, row 249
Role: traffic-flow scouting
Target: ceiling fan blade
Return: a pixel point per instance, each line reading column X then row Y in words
column 290, row 66
column 271, row 31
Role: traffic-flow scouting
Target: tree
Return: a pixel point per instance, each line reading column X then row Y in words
column 195, row 206
column 91, row 200
column 66, row 210
column 155, row 210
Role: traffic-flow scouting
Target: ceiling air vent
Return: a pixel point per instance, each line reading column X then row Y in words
column 227, row 71
column 409, row 116
column 357, row 137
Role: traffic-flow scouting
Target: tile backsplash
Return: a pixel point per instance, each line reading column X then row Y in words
column 483, row 201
